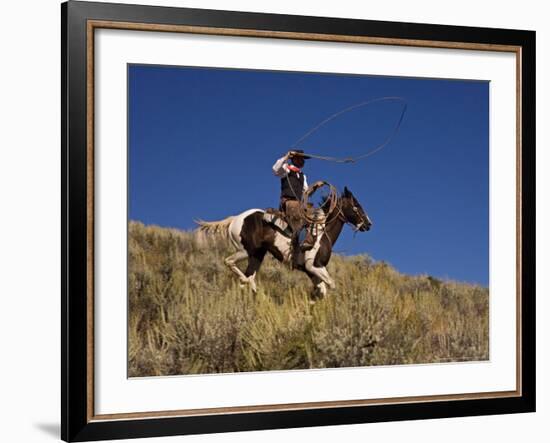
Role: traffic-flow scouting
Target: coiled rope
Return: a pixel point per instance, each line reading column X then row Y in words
column 329, row 205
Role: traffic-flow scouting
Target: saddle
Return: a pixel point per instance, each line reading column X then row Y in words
column 275, row 211
column 277, row 219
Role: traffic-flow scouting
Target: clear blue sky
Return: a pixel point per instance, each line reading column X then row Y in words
column 202, row 143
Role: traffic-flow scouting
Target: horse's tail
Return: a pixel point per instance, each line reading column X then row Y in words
column 220, row 227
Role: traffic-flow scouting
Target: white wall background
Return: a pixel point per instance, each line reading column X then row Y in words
column 30, row 208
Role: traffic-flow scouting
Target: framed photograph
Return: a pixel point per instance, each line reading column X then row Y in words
column 276, row 221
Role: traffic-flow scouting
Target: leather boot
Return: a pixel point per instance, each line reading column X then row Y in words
column 309, row 241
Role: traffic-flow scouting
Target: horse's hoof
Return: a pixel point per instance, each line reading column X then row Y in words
column 315, row 297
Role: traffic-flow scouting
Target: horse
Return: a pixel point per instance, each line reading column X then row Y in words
column 256, row 232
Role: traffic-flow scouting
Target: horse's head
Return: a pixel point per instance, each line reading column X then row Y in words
column 353, row 212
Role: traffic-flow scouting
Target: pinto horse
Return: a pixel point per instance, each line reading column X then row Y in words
column 254, row 234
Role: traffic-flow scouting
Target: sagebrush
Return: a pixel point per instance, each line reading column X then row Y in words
column 188, row 315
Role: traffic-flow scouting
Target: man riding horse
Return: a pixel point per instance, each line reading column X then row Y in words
column 256, row 232
column 293, row 187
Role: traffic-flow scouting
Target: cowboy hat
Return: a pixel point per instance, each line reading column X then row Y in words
column 299, row 153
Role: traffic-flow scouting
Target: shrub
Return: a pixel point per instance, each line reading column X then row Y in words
column 188, row 315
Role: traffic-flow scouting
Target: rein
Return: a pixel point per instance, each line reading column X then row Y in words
column 340, row 216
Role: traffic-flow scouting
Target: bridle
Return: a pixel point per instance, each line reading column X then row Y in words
column 340, row 215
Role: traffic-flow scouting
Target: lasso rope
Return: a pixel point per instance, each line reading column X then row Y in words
column 332, row 199
column 343, row 111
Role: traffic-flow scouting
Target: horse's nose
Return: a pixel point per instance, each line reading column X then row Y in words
column 366, row 226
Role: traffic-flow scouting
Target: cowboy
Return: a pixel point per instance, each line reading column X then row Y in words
column 293, row 187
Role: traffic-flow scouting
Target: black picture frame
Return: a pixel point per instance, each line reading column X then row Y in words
column 76, row 422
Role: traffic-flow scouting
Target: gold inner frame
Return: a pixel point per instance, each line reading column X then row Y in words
column 95, row 24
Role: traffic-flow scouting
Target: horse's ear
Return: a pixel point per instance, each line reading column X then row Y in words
column 346, row 192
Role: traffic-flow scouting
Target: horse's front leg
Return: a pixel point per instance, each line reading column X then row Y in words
column 327, row 278
column 319, row 288
column 320, row 272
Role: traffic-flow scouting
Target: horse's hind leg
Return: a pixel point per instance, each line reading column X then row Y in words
column 232, row 260
column 254, row 262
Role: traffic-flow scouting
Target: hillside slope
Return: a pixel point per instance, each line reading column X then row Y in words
column 187, row 314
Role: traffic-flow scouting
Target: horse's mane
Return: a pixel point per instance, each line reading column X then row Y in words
column 325, row 203
column 324, row 199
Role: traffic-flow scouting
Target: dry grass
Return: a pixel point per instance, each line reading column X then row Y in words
column 187, row 314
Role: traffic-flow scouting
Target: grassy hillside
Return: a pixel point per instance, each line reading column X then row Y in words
column 187, row 314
